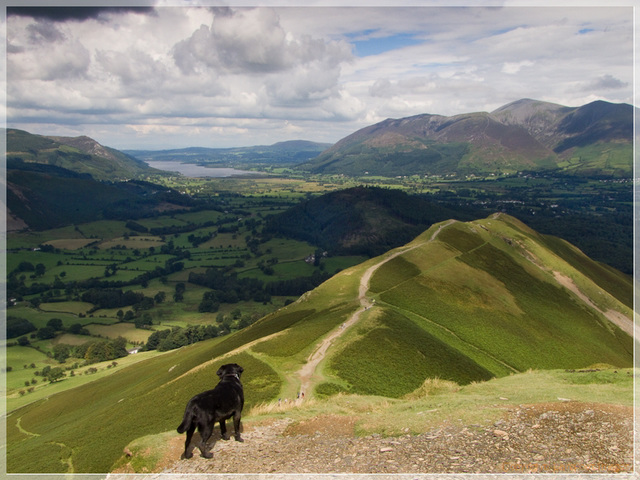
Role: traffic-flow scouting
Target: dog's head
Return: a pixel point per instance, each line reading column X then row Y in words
column 230, row 370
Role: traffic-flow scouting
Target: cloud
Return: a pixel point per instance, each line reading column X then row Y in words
column 80, row 14
column 252, row 41
column 511, row 68
column 235, row 76
column 605, row 82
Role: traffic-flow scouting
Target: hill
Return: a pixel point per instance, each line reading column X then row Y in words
column 360, row 220
column 42, row 196
column 594, row 139
column 78, row 154
column 463, row 303
column 282, row 153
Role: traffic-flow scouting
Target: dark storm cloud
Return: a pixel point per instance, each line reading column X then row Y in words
column 63, row 14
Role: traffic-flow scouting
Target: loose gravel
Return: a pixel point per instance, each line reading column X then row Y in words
column 556, row 438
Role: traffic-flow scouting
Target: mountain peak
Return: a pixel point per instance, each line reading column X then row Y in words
column 526, row 134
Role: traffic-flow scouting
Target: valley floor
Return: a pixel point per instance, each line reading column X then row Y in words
column 559, row 438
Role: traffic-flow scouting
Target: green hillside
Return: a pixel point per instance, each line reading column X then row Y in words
column 462, row 302
column 526, row 135
column 360, row 220
column 78, row 154
column 49, row 196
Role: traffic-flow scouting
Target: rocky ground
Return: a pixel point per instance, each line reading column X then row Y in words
column 560, row 438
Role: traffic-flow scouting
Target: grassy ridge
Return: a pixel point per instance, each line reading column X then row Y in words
column 492, row 300
column 477, row 300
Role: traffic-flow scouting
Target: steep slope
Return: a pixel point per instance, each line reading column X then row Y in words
column 463, row 302
column 78, row 154
column 469, row 300
column 523, row 135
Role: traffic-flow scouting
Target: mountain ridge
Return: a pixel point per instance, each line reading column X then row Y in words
column 280, row 153
column 81, row 154
column 523, row 135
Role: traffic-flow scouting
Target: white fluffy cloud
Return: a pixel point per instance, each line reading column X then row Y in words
column 178, row 76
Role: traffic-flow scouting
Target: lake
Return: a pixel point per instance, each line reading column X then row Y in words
column 193, row 170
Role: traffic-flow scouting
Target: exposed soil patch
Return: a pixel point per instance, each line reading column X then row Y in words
column 563, row 437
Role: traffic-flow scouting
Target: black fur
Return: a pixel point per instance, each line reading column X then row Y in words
column 217, row 405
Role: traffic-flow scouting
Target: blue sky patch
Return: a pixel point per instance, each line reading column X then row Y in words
column 376, row 46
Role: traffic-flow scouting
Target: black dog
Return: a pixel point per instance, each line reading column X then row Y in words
column 217, row 405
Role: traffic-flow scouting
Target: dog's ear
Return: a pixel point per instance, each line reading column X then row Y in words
column 220, row 372
column 239, row 370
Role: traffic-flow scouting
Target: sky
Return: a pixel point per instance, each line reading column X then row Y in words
column 173, row 75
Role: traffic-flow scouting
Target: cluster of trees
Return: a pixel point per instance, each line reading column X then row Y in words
column 111, row 298
column 227, row 288
column 93, row 351
column 20, row 327
column 164, row 340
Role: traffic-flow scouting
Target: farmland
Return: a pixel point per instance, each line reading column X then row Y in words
column 62, row 276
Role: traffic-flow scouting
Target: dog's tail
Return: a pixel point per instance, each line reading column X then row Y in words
column 186, row 421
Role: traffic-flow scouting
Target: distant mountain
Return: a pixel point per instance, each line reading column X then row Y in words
column 595, row 139
column 360, row 220
column 282, row 153
column 78, row 154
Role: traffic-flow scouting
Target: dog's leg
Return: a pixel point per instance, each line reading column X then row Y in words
column 237, row 427
column 205, row 430
column 223, row 429
column 188, row 452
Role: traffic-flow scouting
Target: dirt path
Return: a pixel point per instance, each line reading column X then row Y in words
column 615, row 317
column 306, row 373
column 554, row 438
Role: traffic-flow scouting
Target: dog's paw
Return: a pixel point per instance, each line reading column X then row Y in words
column 239, row 439
column 226, row 436
column 186, row 456
column 207, row 454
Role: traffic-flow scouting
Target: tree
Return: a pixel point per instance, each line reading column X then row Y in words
column 99, row 352
column 46, row 333
column 61, row 352
column 25, row 267
column 143, row 321
column 209, row 302
column 54, row 374
column 78, row 329
column 40, row 269
column 18, row 326
column 55, row 323
column 155, row 338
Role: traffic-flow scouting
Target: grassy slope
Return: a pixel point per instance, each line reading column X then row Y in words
column 471, row 304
